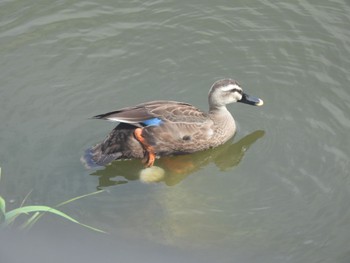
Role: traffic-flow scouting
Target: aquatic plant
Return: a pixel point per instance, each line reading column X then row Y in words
column 36, row 211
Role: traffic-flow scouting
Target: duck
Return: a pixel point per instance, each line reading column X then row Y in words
column 166, row 128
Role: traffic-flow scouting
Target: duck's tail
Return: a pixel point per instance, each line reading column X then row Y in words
column 119, row 144
column 87, row 159
column 94, row 157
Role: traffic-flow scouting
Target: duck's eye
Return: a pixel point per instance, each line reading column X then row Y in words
column 237, row 90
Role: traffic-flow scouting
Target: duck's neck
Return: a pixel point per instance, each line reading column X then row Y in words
column 218, row 110
column 220, row 114
column 223, row 119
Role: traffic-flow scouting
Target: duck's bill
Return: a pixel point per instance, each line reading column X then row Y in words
column 251, row 100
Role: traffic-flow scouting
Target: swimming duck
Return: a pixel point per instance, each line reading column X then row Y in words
column 162, row 128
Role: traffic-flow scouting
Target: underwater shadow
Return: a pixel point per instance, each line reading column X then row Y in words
column 177, row 168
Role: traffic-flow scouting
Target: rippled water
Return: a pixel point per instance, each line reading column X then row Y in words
column 277, row 193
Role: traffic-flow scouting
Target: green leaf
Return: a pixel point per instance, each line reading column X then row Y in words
column 67, row 202
column 2, row 206
column 29, row 223
column 11, row 215
column 78, row 197
column 2, row 210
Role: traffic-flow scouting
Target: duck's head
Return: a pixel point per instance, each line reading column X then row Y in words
column 227, row 91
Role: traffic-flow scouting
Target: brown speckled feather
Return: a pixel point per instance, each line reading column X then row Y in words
column 168, row 111
column 183, row 128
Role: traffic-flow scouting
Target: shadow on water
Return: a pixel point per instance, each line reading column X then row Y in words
column 177, row 168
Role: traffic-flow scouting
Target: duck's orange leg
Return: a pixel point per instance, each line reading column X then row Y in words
column 151, row 155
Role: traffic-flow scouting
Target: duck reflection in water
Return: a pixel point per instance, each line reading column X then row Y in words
column 172, row 170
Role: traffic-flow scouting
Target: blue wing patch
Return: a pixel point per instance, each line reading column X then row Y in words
column 154, row 122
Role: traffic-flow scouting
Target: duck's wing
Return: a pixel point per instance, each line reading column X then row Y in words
column 157, row 112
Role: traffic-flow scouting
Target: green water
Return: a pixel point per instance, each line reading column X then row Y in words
column 279, row 192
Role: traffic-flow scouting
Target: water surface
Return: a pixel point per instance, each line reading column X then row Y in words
column 278, row 192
